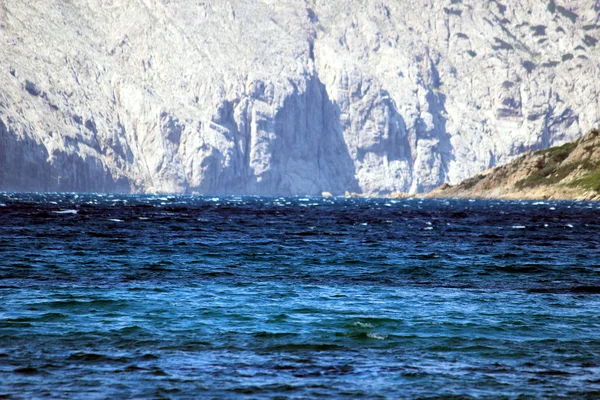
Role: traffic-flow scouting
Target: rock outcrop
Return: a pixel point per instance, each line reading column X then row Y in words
column 287, row 96
column 567, row 172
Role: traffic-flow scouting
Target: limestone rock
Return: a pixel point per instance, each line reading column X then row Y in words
column 287, row 96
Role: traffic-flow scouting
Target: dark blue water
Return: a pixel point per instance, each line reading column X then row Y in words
column 191, row 297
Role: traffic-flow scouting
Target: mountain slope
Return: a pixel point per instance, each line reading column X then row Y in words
column 287, row 96
column 568, row 172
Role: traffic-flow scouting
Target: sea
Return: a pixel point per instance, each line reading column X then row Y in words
column 185, row 297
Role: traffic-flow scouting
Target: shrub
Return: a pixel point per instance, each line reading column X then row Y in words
column 590, row 41
column 567, row 14
column 529, row 66
column 538, row 30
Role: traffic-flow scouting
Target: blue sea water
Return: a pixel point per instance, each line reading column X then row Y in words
column 114, row 296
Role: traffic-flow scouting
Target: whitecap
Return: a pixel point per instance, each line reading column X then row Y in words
column 519, row 227
column 115, row 220
column 66, row 212
column 569, row 225
column 2, row 205
column 363, row 325
column 378, row 336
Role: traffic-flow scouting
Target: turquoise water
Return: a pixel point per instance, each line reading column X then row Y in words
column 195, row 297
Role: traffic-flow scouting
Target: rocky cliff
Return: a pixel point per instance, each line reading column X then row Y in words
column 567, row 172
column 287, row 96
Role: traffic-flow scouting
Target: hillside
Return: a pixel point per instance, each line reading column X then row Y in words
column 568, row 172
column 287, row 97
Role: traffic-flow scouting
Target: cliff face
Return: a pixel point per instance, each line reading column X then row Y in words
column 287, row 96
column 567, row 172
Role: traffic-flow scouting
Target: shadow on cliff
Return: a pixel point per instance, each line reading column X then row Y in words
column 309, row 153
column 25, row 167
column 299, row 151
column 437, row 108
column 393, row 144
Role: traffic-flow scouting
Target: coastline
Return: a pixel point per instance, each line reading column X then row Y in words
column 541, row 194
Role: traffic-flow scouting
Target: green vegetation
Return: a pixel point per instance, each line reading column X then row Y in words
column 552, row 170
column 550, row 174
column 501, row 45
column 550, row 64
column 559, row 153
column 453, row 11
column 590, row 41
column 591, row 181
column 567, row 13
column 538, row 30
column 471, row 182
column 529, row 66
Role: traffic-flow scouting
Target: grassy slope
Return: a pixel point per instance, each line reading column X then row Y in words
column 573, row 167
column 556, row 169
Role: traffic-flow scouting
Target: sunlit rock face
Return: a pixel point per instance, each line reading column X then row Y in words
column 285, row 97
